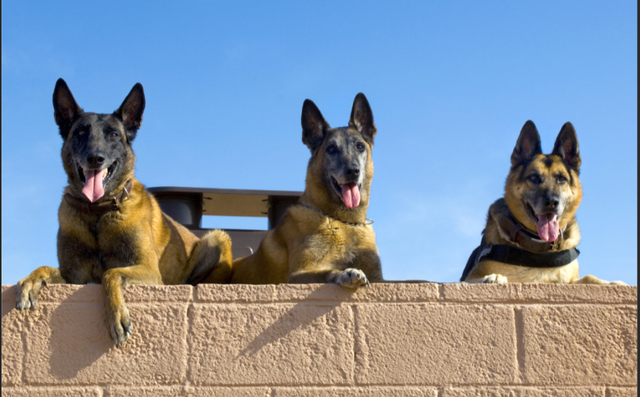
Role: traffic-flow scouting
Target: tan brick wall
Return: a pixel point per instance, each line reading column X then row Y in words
column 396, row 339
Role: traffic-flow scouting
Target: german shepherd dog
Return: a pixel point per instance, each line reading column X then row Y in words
column 532, row 233
column 112, row 230
column 326, row 237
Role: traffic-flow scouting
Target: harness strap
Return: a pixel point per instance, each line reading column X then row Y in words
column 518, row 257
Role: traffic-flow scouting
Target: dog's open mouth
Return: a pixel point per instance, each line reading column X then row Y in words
column 547, row 224
column 94, row 180
column 350, row 192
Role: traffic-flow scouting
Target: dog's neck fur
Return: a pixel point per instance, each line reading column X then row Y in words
column 494, row 235
column 318, row 195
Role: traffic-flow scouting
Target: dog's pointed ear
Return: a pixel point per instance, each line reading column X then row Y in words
column 314, row 125
column 362, row 118
column 65, row 107
column 130, row 112
column 528, row 144
column 566, row 146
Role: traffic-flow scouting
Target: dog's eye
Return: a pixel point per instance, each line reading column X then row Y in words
column 81, row 132
column 561, row 179
column 331, row 149
column 113, row 134
column 360, row 147
column 535, row 179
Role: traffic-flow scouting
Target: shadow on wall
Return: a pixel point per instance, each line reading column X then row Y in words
column 302, row 316
column 78, row 335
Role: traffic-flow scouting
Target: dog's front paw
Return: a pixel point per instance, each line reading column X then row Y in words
column 27, row 292
column 352, row 278
column 119, row 324
column 494, row 279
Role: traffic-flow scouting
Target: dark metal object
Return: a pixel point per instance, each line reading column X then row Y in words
column 187, row 205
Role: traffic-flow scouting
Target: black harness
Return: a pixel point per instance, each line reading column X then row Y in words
column 517, row 256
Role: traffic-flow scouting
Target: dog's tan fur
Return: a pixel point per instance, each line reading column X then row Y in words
column 135, row 244
column 563, row 162
column 314, row 245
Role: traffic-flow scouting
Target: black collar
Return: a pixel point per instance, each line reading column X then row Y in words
column 366, row 222
column 520, row 235
column 100, row 208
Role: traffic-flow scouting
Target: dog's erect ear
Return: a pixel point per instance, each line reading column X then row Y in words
column 314, row 125
column 130, row 112
column 566, row 146
column 362, row 118
column 65, row 108
column 528, row 144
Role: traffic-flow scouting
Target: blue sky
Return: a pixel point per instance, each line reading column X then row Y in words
column 450, row 85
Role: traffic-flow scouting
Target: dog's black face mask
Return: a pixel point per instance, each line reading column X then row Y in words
column 97, row 150
column 344, row 151
column 344, row 162
column 543, row 191
column 97, row 154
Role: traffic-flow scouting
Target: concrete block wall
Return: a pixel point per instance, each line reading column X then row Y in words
column 395, row 339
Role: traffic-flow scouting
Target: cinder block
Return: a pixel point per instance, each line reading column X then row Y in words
column 218, row 293
column 622, row 392
column 580, row 345
column 270, row 344
column 432, row 344
column 70, row 344
column 51, row 391
column 71, row 293
column 187, row 391
column 363, row 391
column 12, row 347
column 378, row 292
column 158, row 293
column 523, row 392
column 539, row 293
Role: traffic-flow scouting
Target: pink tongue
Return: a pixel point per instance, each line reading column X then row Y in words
column 93, row 188
column 350, row 195
column 548, row 228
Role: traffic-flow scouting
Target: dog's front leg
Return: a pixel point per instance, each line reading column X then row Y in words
column 113, row 281
column 28, row 288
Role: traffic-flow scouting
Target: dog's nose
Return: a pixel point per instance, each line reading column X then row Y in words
column 551, row 202
column 95, row 159
column 353, row 171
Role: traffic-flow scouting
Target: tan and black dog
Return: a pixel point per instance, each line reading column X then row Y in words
column 532, row 233
column 326, row 237
column 112, row 230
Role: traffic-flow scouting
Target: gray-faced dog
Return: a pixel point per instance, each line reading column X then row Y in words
column 326, row 236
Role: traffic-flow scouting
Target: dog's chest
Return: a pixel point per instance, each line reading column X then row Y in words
column 337, row 239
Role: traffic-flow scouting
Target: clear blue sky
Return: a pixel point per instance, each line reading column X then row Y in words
column 450, row 85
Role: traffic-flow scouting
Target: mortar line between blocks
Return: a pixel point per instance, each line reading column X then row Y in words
column 189, row 343
column 353, row 309
column 23, row 336
column 520, row 348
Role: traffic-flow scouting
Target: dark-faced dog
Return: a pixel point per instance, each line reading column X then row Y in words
column 326, row 237
column 112, row 230
column 532, row 233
